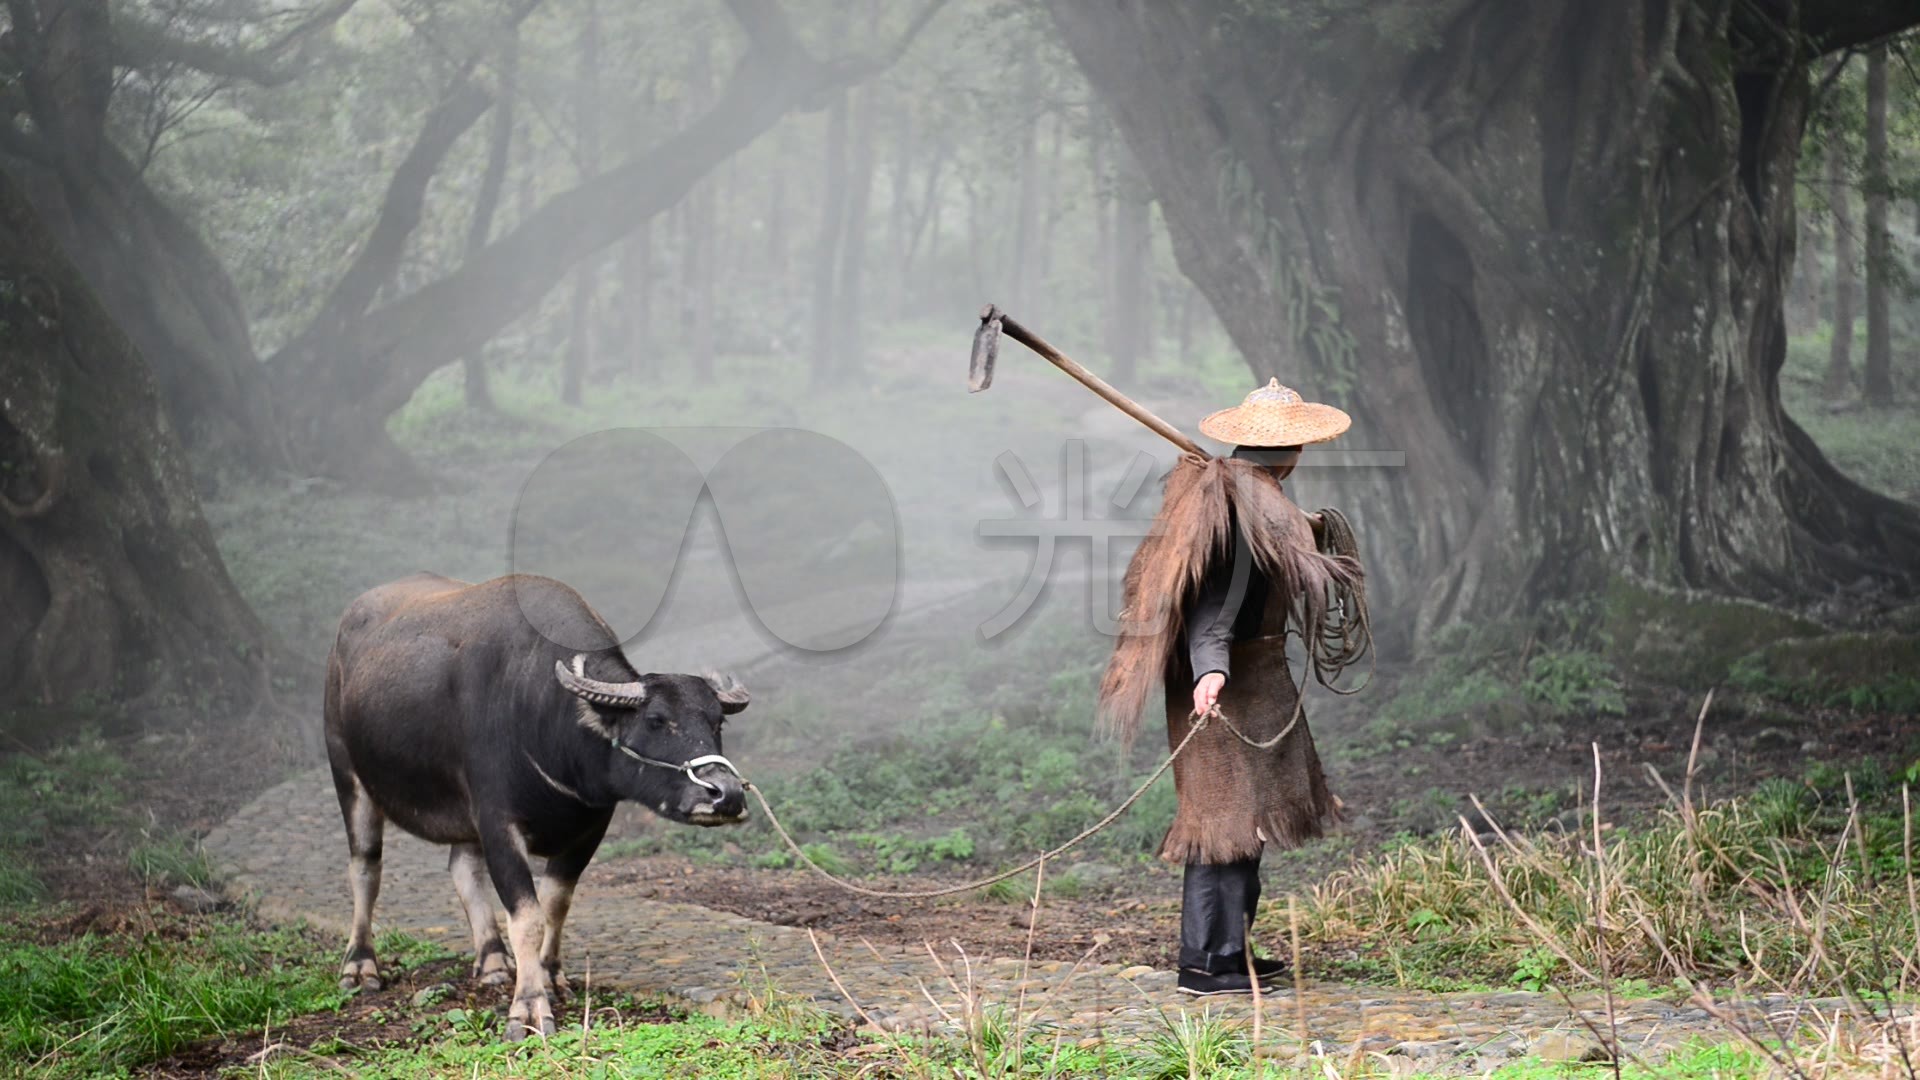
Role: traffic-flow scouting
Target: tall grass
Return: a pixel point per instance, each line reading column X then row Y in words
column 96, row 1005
column 1726, row 891
column 1797, row 894
column 73, row 786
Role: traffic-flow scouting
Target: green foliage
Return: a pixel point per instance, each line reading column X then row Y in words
column 898, row 854
column 1575, row 682
column 826, row 858
column 1551, row 666
column 171, row 860
column 1780, row 866
column 75, row 785
column 1441, row 693
column 19, row 885
column 1016, row 889
column 1536, row 969
column 1878, row 447
column 401, row 951
column 93, row 1005
column 993, row 760
column 1195, row 1044
column 1864, row 673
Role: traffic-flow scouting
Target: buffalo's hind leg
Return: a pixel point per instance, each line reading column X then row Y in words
column 366, row 828
column 468, row 866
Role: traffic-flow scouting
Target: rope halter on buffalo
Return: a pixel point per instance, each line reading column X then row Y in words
column 685, row 766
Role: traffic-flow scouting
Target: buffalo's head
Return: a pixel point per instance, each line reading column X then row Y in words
column 658, row 729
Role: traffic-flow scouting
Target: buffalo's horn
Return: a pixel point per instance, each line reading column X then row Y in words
column 733, row 697
column 618, row 695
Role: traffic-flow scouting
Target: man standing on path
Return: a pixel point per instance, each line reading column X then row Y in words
column 1230, row 568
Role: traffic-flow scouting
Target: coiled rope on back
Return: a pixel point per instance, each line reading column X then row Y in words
column 1347, row 634
column 1200, row 722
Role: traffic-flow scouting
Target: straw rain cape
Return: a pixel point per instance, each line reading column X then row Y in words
column 1235, row 799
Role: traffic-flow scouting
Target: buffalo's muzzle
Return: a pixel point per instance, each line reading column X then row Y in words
column 724, row 802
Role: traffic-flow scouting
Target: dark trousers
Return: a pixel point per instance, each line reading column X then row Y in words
column 1217, row 905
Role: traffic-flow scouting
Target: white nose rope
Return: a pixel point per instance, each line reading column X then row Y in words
column 685, row 766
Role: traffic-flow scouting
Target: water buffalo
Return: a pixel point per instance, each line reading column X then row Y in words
column 449, row 714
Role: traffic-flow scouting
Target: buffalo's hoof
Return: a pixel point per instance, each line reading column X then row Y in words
column 517, row 1029
column 360, row 975
column 530, row 1014
column 558, row 988
column 493, row 967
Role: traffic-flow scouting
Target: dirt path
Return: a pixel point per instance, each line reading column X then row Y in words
column 1098, row 969
column 282, row 852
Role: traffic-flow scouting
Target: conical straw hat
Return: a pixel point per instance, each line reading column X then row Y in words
column 1275, row 416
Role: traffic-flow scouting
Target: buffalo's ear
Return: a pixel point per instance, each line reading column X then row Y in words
column 733, row 697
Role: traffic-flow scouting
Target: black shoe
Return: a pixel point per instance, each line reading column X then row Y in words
column 1201, row 984
column 1265, row 969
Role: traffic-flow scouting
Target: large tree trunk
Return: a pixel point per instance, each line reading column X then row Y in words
column 702, row 239
column 1131, row 325
column 850, row 347
column 899, row 202
column 1098, row 150
column 493, row 180
column 113, row 587
column 1876, row 377
column 1021, row 283
column 147, row 265
column 1539, row 247
column 636, row 285
column 586, row 276
column 318, row 383
column 1840, row 200
column 833, row 209
column 1051, row 203
column 925, row 221
column 637, row 275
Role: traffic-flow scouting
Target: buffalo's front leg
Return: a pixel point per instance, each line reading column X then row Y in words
column 506, row 854
column 468, row 867
column 557, row 881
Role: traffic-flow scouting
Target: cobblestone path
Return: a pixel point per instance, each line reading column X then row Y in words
column 284, row 853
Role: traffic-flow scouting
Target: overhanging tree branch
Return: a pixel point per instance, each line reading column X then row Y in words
column 1831, row 26
column 410, row 338
column 140, row 44
column 377, row 259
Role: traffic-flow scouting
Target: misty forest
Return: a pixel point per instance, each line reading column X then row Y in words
column 1593, row 740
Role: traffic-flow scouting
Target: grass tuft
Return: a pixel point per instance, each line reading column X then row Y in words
column 171, row 860
column 1790, row 889
column 96, row 1005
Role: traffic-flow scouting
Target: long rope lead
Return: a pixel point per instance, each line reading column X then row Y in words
column 927, row 894
column 1200, row 722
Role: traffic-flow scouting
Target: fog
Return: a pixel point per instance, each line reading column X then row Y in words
column 675, row 303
